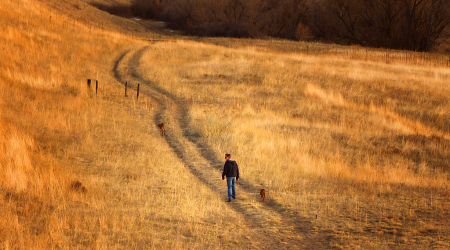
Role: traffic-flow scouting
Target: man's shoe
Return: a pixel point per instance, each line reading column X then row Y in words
column 229, row 200
column 234, row 197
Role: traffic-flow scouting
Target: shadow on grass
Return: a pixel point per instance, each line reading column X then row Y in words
column 302, row 226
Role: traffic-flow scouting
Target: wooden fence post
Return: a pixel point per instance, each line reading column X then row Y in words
column 126, row 86
column 96, row 87
column 137, row 92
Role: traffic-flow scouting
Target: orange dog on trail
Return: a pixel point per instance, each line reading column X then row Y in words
column 162, row 128
column 263, row 194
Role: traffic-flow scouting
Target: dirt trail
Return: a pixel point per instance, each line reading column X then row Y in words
column 277, row 228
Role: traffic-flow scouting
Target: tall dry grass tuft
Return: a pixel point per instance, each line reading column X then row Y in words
column 16, row 163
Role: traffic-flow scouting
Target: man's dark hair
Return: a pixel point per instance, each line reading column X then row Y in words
column 227, row 155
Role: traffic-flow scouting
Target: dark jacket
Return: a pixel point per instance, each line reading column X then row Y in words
column 230, row 169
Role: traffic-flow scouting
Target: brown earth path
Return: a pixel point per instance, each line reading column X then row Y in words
column 276, row 227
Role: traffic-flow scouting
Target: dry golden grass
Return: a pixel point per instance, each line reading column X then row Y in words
column 358, row 138
column 362, row 144
column 132, row 191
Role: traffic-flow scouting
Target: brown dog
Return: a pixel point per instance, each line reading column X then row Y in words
column 263, row 194
column 162, row 128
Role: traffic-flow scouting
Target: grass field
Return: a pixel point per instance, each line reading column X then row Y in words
column 362, row 144
column 351, row 144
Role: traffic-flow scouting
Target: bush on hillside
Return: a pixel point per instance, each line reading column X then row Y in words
column 228, row 29
column 147, row 9
column 117, row 10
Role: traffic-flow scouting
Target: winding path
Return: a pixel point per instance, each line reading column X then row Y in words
column 276, row 227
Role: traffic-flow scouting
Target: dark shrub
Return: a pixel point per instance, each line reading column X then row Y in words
column 147, row 9
column 228, row 29
column 117, row 10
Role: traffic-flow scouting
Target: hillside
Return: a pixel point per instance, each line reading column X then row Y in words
column 351, row 144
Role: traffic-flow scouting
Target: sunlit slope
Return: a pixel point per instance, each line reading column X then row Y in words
column 88, row 13
column 79, row 170
column 46, row 59
column 44, row 67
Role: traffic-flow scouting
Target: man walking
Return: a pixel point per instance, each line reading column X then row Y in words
column 231, row 171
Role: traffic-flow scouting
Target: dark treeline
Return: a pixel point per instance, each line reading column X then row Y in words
column 417, row 25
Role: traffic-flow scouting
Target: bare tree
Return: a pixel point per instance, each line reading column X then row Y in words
column 425, row 21
column 399, row 24
column 280, row 18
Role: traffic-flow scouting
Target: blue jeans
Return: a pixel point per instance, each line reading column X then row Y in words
column 231, row 183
